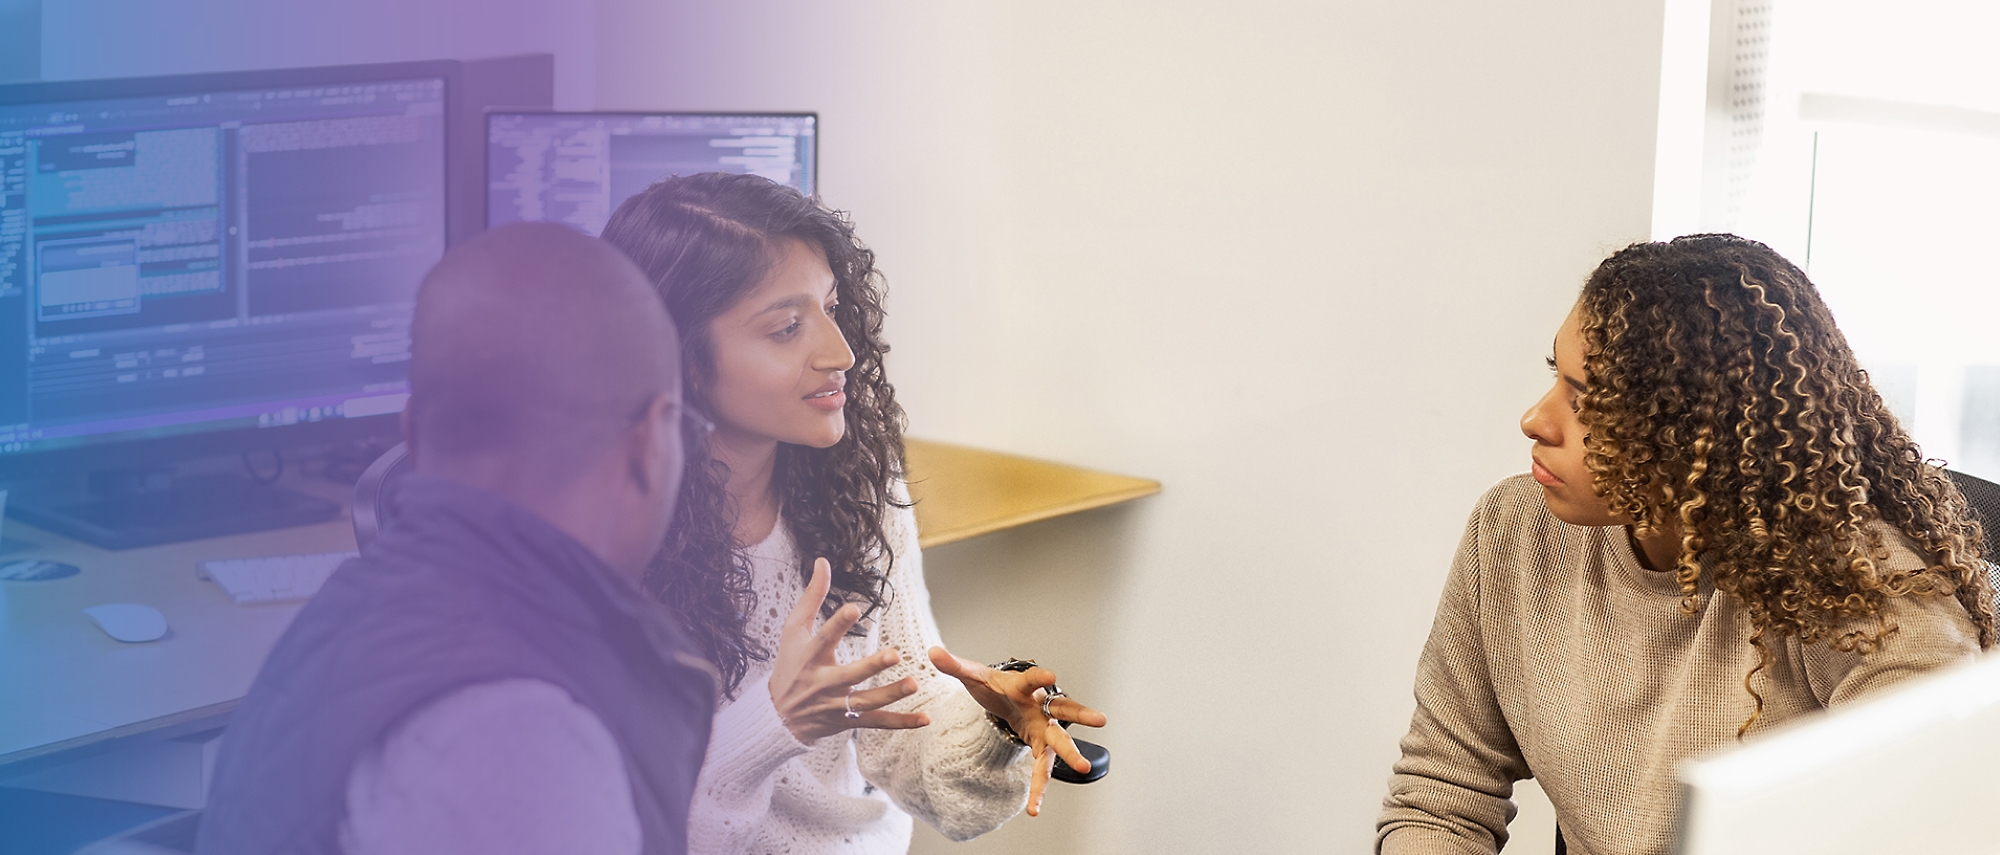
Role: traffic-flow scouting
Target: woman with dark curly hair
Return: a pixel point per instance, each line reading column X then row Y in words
column 829, row 739
column 1724, row 530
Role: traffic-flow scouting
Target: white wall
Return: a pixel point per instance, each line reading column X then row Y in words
column 1300, row 261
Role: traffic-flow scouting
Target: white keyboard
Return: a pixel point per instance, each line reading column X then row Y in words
column 278, row 577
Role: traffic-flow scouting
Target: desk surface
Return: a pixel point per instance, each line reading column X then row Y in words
column 966, row 492
column 64, row 684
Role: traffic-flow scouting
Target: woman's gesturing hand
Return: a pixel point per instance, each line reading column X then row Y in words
column 1016, row 697
column 812, row 692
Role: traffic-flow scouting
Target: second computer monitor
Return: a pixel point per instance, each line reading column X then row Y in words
column 576, row 168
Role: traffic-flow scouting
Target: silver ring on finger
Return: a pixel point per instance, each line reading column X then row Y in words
column 853, row 713
column 1053, row 693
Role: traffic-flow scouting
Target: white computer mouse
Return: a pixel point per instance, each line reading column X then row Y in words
column 129, row 621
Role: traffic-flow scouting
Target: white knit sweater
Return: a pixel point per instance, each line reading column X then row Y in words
column 762, row 791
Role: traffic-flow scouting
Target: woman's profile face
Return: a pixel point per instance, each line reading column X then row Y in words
column 1558, row 434
column 780, row 360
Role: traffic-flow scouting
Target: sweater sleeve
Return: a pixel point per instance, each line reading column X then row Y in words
column 1451, row 791
column 958, row 774
column 746, row 747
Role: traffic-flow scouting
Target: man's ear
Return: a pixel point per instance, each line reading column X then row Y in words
column 653, row 447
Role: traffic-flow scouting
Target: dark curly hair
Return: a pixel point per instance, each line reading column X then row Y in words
column 1722, row 398
column 706, row 241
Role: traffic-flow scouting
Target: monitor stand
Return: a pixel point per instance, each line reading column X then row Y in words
column 168, row 510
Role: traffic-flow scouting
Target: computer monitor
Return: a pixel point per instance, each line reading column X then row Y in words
column 1907, row 771
column 207, row 264
column 576, row 168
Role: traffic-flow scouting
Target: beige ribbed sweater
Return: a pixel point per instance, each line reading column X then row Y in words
column 1555, row 655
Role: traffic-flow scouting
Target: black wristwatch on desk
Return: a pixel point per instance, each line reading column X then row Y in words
column 1096, row 755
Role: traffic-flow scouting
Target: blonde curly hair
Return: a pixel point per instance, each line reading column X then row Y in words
column 1722, row 398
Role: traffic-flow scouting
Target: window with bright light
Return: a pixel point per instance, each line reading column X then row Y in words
column 1878, row 170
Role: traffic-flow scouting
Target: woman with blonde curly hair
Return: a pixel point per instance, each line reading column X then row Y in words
column 1724, row 529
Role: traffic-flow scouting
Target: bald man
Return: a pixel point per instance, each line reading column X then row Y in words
column 487, row 676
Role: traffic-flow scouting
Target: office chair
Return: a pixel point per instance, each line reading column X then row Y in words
column 1984, row 497
column 374, row 493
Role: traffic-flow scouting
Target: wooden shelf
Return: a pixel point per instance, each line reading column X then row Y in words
column 966, row 492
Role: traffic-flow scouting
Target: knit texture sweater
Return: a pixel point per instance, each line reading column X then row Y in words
column 1555, row 655
column 763, row 791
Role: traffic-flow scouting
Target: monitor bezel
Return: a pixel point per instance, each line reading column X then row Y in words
column 164, row 450
column 486, row 135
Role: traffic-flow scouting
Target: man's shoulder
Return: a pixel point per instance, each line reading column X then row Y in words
column 404, row 603
column 395, row 632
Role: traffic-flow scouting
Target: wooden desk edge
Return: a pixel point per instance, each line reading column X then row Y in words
column 1139, row 490
column 76, row 748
